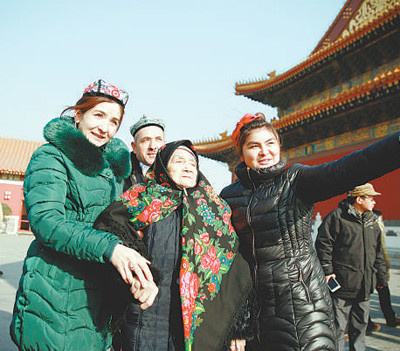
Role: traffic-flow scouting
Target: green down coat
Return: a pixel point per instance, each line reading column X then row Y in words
column 69, row 182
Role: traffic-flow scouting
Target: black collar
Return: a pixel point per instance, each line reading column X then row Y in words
column 250, row 177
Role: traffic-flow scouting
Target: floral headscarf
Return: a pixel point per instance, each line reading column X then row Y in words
column 214, row 279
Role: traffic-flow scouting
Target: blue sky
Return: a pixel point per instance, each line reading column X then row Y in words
column 178, row 60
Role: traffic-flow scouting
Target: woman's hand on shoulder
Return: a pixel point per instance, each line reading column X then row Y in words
column 126, row 260
column 145, row 295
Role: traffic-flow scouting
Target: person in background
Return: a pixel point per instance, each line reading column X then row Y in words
column 205, row 290
column 272, row 207
column 148, row 137
column 383, row 291
column 349, row 247
column 60, row 303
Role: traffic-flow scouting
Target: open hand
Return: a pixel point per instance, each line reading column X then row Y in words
column 126, row 260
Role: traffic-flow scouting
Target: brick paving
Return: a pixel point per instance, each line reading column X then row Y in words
column 12, row 253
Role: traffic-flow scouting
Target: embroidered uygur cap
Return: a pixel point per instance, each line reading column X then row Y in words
column 102, row 88
column 146, row 121
column 363, row 190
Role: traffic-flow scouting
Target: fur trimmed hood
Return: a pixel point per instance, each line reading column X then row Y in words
column 88, row 158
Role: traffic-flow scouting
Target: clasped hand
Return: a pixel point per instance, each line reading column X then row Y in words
column 126, row 261
column 146, row 295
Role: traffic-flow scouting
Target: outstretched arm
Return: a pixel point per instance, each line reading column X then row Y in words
column 319, row 183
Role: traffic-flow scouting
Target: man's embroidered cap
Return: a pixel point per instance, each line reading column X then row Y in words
column 102, row 88
column 146, row 121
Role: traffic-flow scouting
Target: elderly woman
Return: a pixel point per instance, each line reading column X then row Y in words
column 272, row 208
column 60, row 304
column 205, row 285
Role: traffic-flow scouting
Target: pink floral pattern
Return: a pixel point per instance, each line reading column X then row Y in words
column 208, row 240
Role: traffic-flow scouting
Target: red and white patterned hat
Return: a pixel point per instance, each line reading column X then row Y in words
column 102, row 88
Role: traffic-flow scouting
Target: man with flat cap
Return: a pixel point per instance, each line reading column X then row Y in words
column 148, row 137
column 350, row 249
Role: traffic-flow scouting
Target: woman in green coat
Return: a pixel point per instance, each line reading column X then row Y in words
column 60, row 302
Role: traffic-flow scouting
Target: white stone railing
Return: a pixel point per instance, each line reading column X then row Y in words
column 10, row 225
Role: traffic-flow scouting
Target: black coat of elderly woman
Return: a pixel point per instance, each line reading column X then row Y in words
column 272, row 209
column 205, row 285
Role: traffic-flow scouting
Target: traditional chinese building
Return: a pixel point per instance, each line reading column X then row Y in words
column 343, row 97
column 14, row 158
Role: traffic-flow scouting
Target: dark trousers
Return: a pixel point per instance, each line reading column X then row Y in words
column 386, row 304
column 353, row 314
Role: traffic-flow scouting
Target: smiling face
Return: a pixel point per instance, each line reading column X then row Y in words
column 261, row 149
column 147, row 142
column 182, row 168
column 100, row 123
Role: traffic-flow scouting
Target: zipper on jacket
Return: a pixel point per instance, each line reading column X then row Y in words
column 248, row 218
column 364, row 227
column 138, row 329
column 301, row 280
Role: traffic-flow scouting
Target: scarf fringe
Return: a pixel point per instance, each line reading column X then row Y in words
column 243, row 322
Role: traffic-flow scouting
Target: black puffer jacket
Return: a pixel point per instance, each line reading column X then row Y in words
column 272, row 213
column 349, row 245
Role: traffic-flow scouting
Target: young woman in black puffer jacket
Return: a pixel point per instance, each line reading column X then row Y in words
column 272, row 213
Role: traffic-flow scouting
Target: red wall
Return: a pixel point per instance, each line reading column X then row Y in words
column 388, row 186
column 15, row 201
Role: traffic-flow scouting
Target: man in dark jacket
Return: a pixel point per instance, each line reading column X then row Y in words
column 148, row 137
column 349, row 248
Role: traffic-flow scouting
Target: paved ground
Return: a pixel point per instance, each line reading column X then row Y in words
column 12, row 252
column 13, row 249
